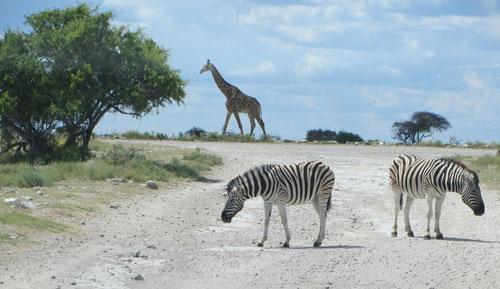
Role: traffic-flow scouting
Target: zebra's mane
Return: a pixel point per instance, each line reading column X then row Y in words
column 232, row 182
column 463, row 166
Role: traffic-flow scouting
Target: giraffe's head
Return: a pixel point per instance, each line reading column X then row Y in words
column 206, row 67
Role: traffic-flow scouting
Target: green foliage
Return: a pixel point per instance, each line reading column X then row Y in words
column 71, row 69
column 330, row 135
column 344, row 137
column 144, row 135
column 321, row 135
column 118, row 161
column 32, row 178
column 196, row 132
column 421, row 125
column 25, row 220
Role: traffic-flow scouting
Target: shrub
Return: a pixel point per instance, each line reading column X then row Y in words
column 196, row 132
column 321, row 135
column 31, row 178
column 344, row 136
column 119, row 155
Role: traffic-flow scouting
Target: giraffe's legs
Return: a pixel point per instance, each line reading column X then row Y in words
column 262, row 126
column 228, row 115
column 252, row 123
column 268, row 207
column 239, row 122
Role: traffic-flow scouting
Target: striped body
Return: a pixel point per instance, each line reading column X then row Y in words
column 417, row 177
column 431, row 179
column 283, row 185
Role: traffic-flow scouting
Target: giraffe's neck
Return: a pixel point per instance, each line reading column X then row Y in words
column 225, row 87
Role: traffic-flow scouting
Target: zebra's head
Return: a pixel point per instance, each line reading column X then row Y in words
column 471, row 193
column 234, row 203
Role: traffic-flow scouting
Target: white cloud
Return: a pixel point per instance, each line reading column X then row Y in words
column 414, row 46
column 311, row 64
column 383, row 98
column 473, row 81
column 387, row 69
column 263, row 68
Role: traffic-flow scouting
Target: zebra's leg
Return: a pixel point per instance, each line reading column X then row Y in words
column 284, row 221
column 430, row 198
column 322, row 221
column 439, row 203
column 397, row 208
column 409, row 201
column 268, row 207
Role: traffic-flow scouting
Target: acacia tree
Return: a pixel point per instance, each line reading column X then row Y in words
column 421, row 125
column 80, row 68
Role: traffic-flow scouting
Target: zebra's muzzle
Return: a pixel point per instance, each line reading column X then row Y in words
column 479, row 211
column 225, row 218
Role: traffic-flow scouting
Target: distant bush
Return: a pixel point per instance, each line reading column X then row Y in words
column 330, row 135
column 196, row 132
column 31, row 178
column 344, row 137
column 321, row 135
column 132, row 134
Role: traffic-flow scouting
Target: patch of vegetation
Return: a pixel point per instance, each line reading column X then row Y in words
column 487, row 167
column 319, row 135
column 117, row 161
column 24, row 220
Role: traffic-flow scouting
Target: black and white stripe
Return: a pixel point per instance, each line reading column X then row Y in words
column 432, row 179
column 283, row 185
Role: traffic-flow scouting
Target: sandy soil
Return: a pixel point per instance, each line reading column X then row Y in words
column 183, row 244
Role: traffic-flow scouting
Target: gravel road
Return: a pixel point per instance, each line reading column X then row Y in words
column 175, row 239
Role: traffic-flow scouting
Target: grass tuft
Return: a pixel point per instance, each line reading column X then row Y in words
column 25, row 220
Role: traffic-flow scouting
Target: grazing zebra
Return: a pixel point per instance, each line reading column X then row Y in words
column 282, row 185
column 431, row 179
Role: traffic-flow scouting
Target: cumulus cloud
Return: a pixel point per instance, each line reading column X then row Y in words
column 387, row 69
column 311, row 64
column 383, row 98
column 473, row 81
column 414, row 46
column 263, row 68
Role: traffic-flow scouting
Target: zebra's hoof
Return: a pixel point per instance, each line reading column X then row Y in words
column 439, row 236
column 394, row 234
column 316, row 244
column 410, row 234
column 286, row 245
column 427, row 237
column 260, row 244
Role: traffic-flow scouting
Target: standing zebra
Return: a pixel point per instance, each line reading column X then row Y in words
column 431, row 179
column 283, row 185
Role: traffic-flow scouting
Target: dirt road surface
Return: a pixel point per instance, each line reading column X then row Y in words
column 179, row 241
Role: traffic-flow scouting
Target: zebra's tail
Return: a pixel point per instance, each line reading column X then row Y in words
column 329, row 203
column 401, row 201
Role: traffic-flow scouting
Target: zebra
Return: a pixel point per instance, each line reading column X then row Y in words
column 431, row 178
column 282, row 185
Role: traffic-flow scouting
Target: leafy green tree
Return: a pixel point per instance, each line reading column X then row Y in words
column 71, row 69
column 421, row 125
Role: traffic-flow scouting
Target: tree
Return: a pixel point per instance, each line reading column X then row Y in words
column 72, row 69
column 320, row 135
column 421, row 125
column 344, row 137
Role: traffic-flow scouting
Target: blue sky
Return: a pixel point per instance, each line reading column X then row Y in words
column 352, row 65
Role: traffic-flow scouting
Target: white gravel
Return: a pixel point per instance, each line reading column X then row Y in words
column 192, row 248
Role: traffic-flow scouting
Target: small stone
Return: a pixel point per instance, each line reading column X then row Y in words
column 152, row 247
column 39, row 193
column 114, row 206
column 137, row 254
column 73, row 283
column 53, row 277
column 138, row 277
column 117, row 181
column 10, row 201
column 152, row 185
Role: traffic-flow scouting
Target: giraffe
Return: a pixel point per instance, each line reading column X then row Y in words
column 236, row 101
